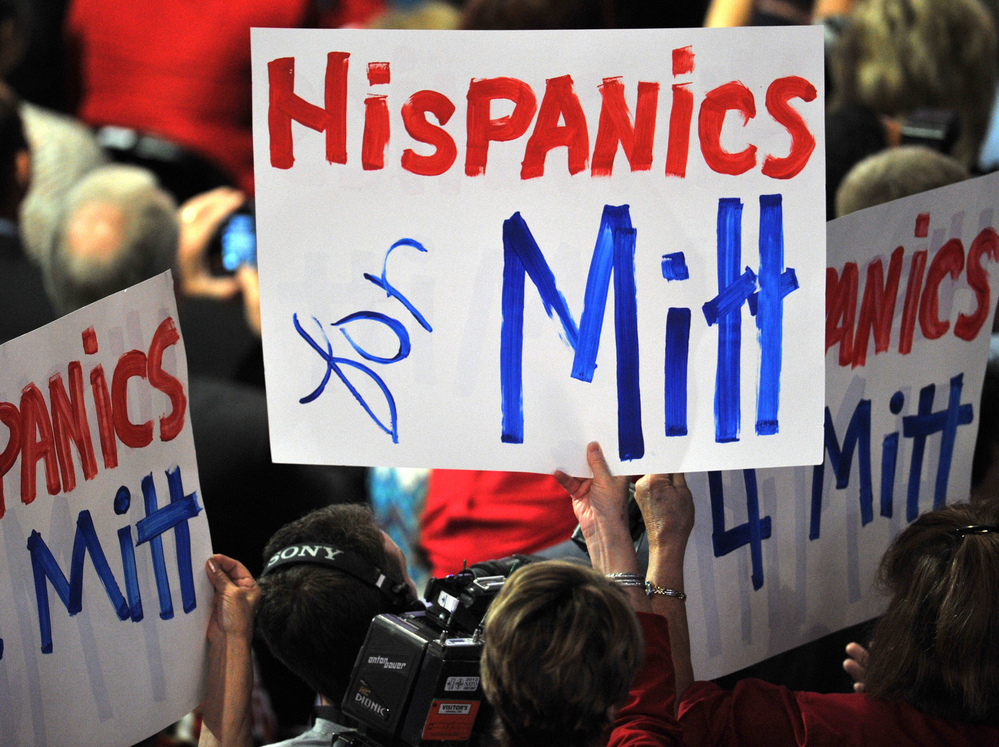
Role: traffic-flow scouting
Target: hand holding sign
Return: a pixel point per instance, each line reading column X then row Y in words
column 226, row 710
column 600, row 505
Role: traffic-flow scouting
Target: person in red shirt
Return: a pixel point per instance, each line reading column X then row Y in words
column 473, row 516
column 932, row 674
column 179, row 73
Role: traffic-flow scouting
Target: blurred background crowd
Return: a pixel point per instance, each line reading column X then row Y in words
column 126, row 143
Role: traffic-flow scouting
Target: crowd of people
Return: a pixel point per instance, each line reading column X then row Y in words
column 125, row 142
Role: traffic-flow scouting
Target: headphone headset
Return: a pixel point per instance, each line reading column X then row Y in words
column 345, row 561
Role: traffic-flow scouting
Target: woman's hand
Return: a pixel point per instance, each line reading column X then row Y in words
column 668, row 509
column 237, row 597
column 601, row 507
column 226, row 711
column 855, row 665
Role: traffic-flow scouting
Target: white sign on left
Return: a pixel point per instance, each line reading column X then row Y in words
column 103, row 603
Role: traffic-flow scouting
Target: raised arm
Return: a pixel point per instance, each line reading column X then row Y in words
column 601, row 507
column 226, row 710
column 668, row 509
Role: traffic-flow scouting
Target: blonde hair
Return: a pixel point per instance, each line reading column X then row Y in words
column 897, row 56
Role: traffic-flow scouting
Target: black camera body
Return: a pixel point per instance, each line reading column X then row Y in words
column 416, row 679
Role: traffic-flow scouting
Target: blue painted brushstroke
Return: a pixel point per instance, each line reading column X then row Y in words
column 518, row 236
column 512, row 345
column 182, row 533
column 394, row 292
column 393, row 324
column 788, row 283
column 630, row 440
column 675, row 267
column 333, row 365
column 122, row 500
column 44, row 565
column 770, row 319
column 889, row 459
column 956, row 414
column 728, row 371
column 522, row 257
column 131, row 576
column 730, row 300
column 156, row 548
column 925, row 423
column 841, row 459
column 597, row 286
column 752, row 532
column 614, row 252
column 675, row 371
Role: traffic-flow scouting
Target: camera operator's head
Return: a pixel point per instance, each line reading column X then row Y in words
column 562, row 645
column 313, row 617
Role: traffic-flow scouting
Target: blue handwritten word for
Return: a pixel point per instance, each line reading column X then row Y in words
column 334, row 363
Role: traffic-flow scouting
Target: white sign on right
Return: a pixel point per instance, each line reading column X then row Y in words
column 781, row 557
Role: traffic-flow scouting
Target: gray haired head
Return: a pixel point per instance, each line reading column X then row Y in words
column 118, row 227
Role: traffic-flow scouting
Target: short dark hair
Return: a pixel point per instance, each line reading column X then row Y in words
column 314, row 618
column 562, row 645
column 937, row 646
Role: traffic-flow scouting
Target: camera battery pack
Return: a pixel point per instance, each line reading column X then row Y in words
column 386, row 671
column 413, row 685
column 448, row 697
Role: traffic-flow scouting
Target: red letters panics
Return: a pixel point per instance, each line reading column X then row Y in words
column 51, row 432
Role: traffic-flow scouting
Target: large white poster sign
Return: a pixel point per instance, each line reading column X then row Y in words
column 483, row 250
column 104, row 602
column 781, row 557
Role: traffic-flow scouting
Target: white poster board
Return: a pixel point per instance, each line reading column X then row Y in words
column 104, row 601
column 485, row 249
column 782, row 557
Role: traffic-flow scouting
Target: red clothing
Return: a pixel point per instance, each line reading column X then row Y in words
column 646, row 719
column 758, row 713
column 180, row 69
column 472, row 516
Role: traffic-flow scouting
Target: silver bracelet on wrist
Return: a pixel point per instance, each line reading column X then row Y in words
column 627, row 579
column 651, row 589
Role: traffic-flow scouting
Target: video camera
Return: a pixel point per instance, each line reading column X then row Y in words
column 416, row 679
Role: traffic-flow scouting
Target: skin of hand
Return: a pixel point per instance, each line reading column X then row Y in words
column 226, row 710
column 200, row 218
column 237, row 597
column 601, row 507
column 668, row 509
column 856, row 665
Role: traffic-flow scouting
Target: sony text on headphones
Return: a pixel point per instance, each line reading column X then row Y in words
column 345, row 561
